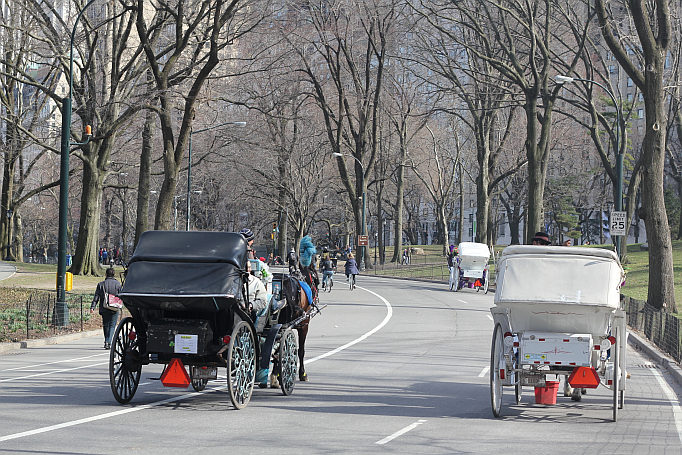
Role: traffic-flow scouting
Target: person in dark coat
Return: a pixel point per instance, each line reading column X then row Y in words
column 351, row 268
column 110, row 285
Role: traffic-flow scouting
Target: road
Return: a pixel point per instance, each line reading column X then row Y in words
column 395, row 366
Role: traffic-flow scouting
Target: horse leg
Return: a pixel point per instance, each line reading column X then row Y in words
column 302, row 334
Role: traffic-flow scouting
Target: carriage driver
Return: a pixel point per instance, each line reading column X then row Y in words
column 258, row 299
column 248, row 235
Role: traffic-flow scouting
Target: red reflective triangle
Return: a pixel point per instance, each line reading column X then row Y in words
column 584, row 378
column 175, row 375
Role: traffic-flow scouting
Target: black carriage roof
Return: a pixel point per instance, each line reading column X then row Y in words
column 191, row 247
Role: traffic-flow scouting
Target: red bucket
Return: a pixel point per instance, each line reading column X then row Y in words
column 547, row 395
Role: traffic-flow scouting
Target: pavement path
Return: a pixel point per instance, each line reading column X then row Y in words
column 7, row 269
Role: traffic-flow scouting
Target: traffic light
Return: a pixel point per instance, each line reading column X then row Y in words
column 274, row 227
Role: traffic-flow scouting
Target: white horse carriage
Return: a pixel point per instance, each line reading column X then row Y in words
column 471, row 267
column 558, row 313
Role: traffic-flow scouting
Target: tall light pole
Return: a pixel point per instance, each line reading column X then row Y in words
column 62, row 310
column 189, row 165
column 619, row 155
column 364, row 206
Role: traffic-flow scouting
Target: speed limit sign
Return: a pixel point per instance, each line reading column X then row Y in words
column 617, row 226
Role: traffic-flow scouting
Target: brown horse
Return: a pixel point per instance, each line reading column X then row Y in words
column 297, row 305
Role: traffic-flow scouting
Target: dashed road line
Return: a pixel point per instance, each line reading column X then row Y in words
column 400, row 432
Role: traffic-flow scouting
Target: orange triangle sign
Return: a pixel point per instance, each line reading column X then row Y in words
column 175, row 375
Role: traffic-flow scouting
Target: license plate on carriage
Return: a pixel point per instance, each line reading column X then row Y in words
column 535, row 380
column 205, row 373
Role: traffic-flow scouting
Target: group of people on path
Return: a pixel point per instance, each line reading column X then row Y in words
column 110, row 256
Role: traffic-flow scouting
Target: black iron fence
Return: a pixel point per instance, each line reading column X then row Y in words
column 661, row 328
column 41, row 317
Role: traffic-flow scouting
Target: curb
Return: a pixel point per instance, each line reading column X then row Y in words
column 9, row 347
column 651, row 351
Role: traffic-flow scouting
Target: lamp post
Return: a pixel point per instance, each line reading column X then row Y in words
column 8, row 257
column 364, row 206
column 189, row 165
column 619, row 156
column 62, row 317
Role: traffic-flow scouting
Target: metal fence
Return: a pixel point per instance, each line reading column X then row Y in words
column 40, row 317
column 661, row 328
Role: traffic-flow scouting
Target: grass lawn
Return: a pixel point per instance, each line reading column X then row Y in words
column 32, row 277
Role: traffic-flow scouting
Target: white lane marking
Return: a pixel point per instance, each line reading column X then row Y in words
column 490, row 317
column 484, row 372
column 54, row 371
column 189, row 395
column 58, row 361
column 103, row 416
column 400, row 432
column 461, row 300
column 389, row 314
column 670, row 394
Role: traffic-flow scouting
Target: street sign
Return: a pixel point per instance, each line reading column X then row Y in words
column 363, row 240
column 617, row 226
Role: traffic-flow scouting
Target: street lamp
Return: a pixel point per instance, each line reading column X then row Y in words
column 619, row 155
column 9, row 235
column 364, row 206
column 189, row 166
column 60, row 306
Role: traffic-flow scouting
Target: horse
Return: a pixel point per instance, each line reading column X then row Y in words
column 298, row 304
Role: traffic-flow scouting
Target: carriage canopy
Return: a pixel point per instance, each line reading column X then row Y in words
column 182, row 271
column 558, row 274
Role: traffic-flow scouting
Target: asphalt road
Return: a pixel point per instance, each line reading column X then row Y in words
column 395, row 366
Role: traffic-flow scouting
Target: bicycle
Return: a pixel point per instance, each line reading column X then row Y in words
column 351, row 282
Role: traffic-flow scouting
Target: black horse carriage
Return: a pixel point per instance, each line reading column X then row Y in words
column 187, row 294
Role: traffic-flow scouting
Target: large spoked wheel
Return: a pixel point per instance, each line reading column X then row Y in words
column 496, row 358
column 241, row 365
column 616, row 375
column 197, row 384
column 124, row 362
column 288, row 357
column 487, row 281
column 456, row 281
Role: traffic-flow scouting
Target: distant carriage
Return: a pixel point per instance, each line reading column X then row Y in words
column 187, row 294
column 471, row 267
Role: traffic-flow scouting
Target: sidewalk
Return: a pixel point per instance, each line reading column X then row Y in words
column 7, row 269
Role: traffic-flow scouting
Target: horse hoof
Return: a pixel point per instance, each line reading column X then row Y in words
column 274, row 383
column 303, row 377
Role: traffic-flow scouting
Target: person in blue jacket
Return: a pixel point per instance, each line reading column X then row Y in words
column 351, row 269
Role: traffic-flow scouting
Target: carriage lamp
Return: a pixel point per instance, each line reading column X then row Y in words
column 226, row 339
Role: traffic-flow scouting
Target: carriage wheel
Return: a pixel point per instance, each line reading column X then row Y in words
column 616, row 375
column 241, row 365
column 288, row 358
column 496, row 357
column 487, row 282
column 124, row 370
column 197, row 384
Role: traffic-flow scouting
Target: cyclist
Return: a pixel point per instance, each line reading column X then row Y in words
column 327, row 268
column 351, row 270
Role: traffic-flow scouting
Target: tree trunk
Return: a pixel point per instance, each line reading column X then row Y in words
column 661, row 278
column 143, row 183
column 399, row 204
column 86, row 260
column 18, row 238
column 536, row 174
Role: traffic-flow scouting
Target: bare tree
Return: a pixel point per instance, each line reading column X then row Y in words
column 652, row 23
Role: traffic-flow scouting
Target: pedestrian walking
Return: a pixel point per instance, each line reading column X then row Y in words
column 105, row 296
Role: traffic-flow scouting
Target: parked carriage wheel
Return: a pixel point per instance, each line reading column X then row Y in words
column 197, row 384
column 487, row 281
column 616, row 374
column 496, row 357
column 124, row 364
column 288, row 358
column 456, row 281
column 241, row 364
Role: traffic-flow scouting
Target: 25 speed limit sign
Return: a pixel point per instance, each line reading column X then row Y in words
column 617, row 226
